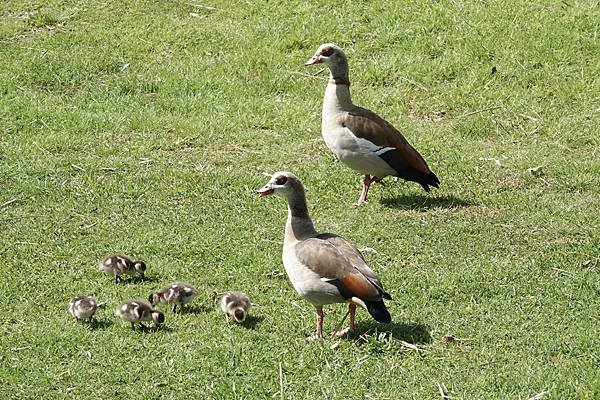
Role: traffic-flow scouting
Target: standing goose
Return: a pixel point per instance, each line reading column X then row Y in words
column 324, row 268
column 360, row 138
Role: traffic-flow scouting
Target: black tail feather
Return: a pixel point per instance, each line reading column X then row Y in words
column 405, row 171
column 426, row 180
column 378, row 311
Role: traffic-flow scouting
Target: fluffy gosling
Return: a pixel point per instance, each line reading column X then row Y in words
column 84, row 307
column 139, row 311
column 118, row 265
column 235, row 304
column 176, row 293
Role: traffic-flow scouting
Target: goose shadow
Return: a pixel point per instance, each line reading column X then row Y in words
column 417, row 202
column 413, row 333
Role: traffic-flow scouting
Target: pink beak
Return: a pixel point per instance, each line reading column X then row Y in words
column 314, row 60
column 266, row 190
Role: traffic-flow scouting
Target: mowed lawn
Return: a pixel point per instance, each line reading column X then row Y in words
column 145, row 128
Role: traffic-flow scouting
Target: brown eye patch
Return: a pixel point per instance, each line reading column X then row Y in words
column 327, row 51
column 281, row 180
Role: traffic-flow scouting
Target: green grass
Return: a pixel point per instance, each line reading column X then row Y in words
column 215, row 96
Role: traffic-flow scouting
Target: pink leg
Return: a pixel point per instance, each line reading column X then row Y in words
column 351, row 328
column 352, row 311
column 365, row 190
column 319, row 322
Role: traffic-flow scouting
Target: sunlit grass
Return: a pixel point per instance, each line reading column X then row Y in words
column 145, row 127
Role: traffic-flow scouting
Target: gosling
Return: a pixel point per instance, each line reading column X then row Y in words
column 139, row 311
column 84, row 307
column 176, row 293
column 118, row 265
column 235, row 304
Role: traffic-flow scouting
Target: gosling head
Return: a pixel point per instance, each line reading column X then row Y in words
column 139, row 267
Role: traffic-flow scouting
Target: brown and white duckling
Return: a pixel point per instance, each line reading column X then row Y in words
column 139, row 311
column 176, row 293
column 117, row 265
column 84, row 307
column 235, row 304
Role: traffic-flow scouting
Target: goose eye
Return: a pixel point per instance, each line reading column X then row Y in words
column 327, row 51
column 281, row 180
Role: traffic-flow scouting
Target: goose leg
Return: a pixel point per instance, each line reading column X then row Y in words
column 351, row 328
column 319, row 322
column 367, row 181
column 352, row 311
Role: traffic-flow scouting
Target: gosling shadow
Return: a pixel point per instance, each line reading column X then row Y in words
column 140, row 279
column 195, row 310
column 153, row 329
column 422, row 203
column 97, row 323
column 252, row 321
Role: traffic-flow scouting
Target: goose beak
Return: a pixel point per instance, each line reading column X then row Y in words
column 266, row 190
column 314, row 60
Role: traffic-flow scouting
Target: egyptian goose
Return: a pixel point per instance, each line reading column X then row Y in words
column 118, row 265
column 176, row 293
column 360, row 138
column 84, row 307
column 235, row 304
column 139, row 311
column 324, row 268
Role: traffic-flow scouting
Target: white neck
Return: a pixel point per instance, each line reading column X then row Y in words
column 337, row 98
column 299, row 226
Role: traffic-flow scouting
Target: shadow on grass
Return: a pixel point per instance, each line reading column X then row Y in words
column 193, row 310
column 417, row 202
column 140, row 279
column 99, row 323
column 413, row 333
column 153, row 329
column 252, row 321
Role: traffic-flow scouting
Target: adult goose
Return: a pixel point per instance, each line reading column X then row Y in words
column 324, row 268
column 360, row 138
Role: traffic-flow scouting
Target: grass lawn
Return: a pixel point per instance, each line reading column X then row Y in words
column 145, row 127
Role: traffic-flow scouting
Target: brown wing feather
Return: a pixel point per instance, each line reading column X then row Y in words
column 361, row 287
column 354, row 256
column 332, row 257
column 370, row 126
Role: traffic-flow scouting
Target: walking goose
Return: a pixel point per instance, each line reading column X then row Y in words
column 360, row 138
column 324, row 268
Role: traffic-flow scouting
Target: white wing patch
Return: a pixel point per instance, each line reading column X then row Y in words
column 384, row 150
